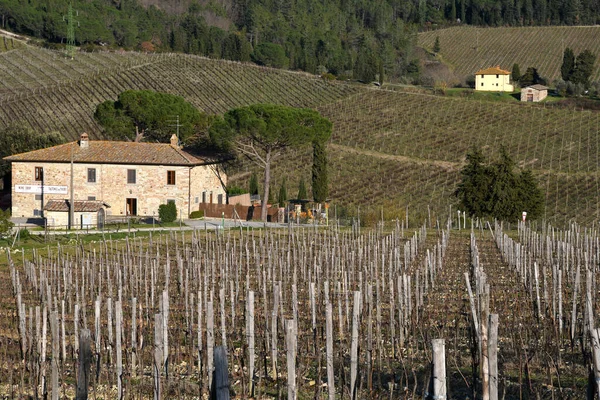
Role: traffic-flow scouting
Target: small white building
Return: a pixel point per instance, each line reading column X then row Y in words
column 493, row 79
column 534, row 93
column 88, row 214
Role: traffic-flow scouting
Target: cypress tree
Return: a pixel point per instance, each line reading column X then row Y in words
column 568, row 65
column 436, row 45
column 584, row 67
column 516, row 73
column 253, row 185
column 302, row 190
column 282, row 198
column 319, row 172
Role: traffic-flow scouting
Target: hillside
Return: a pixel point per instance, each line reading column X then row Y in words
column 467, row 49
column 393, row 149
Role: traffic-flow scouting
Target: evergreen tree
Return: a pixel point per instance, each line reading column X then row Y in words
column 516, row 73
column 319, row 172
column 283, row 197
column 495, row 190
column 568, row 65
column 584, row 67
column 302, row 195
column 253, row 185
column 436, row 45
column 474, row 184
column 531, row 77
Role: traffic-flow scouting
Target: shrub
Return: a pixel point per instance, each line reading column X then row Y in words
column 167, row 212
column 6, row 224
column 24, row 234
column 235, row 190
column 197, row 214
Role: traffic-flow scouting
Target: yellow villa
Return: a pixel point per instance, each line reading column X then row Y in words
column 493, row 79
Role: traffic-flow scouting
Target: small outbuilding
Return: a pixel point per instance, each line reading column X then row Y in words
column 534, row 93
column 88, row 214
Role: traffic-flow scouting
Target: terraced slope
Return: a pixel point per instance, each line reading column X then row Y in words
column 49, row 92
column 468, row 49
column 400, row 149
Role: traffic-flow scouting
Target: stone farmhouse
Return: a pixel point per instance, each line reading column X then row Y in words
column 116, row 178
column 493, row 79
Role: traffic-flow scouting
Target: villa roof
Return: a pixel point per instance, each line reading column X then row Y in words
column 492, row 71
column 112, row 152
column 537, row 87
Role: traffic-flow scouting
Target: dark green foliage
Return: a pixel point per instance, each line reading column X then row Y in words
column 319, row 172
column 283, row 196
column 568, row 65
column 262, row 131
column 584, row 67
column 6, row 225
column 365, row 67
column 270, row 55
column 167, row 212
column 436, row 45
column 531, row 77
column 516, row 73
column 19, row 138
column 302, row 195
column 496, row 190
column 152, row 113
column 197, row 214
column 235, row 190
column 253, row 185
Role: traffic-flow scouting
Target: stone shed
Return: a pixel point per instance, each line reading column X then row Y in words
column 88, row 214
column 534, row 93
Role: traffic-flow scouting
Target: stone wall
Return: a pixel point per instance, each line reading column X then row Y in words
column 150, row 190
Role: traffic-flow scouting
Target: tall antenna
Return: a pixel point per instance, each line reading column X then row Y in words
column 177, row 124
column 70, row 31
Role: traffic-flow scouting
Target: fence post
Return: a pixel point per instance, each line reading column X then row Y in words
column 85, row 360
column 493, row 356
column 220, row 386
column 439, row 369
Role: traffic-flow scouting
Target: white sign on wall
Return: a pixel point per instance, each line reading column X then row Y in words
column 37, row 189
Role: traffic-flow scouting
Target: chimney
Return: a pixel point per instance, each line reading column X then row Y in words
column 175, row 141
column 84, row 141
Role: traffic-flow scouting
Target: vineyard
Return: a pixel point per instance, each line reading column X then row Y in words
column 390, row 153
column 49, row 92
column 469, row 49
column 307, row 313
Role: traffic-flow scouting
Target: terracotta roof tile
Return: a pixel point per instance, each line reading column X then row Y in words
column 492, row 71
column 80, row 205
column 537, row 87
column 110, row 152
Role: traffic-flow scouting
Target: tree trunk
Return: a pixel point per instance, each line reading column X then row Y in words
column 267, row 182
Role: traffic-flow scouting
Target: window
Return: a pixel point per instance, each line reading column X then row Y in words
column 482, row 75
column 131, row 176
column 220, row 199
column 39, row 173
column 204, row 197
column 170, row 177
column 91, row 198
column 91, row 175
column 197, row 200
column 170, row 201
column 481, row 83
column 497, row 76
column 38, row 197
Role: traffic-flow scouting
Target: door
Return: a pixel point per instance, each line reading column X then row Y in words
column 529, row 96
column 131, row 206
column 101, row 218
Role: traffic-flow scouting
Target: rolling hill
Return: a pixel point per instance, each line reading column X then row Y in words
column 389, row 149
column 467, row 49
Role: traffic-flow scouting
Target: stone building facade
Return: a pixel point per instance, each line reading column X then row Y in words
column 534, row 93
column 134, row 178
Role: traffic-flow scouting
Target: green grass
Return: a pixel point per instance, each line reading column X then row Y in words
column 484, row 96
column 467, row 49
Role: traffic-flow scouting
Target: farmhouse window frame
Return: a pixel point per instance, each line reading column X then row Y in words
column 171, row 178
column 91, row 175
column 131, row 176
column 39, row 174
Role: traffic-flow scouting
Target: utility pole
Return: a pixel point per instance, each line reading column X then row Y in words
column 177, row 125
column 72, row 195
column 70, row 31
